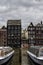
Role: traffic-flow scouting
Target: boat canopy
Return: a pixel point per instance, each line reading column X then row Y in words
column 35, row 50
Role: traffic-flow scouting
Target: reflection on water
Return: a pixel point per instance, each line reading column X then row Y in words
column 15, row 60
column 31, row 62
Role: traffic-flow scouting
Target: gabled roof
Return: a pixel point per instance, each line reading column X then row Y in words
column 39, row 25
column 31, row 25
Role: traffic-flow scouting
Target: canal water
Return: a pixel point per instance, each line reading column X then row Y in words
column 20, row 57
column 16, row 59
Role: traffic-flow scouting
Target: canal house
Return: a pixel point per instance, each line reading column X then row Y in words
column 35, row 34
column 39, row 34
column 14, row 33
column 31, row 34
column 3, row 37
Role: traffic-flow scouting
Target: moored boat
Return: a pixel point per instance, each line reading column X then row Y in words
column 36, row 54
column 5, row 54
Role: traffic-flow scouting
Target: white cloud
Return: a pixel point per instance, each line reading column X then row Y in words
column 3, row 8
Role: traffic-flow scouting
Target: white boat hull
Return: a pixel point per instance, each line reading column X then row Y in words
column 5, row 59
column 35, row 59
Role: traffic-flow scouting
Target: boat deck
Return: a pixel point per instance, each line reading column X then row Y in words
column 35, row 50
column 5, row 50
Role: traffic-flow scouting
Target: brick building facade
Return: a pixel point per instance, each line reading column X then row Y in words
column 3, row 37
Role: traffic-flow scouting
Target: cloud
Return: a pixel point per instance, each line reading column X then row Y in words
column 26, row 10
column 3, row 8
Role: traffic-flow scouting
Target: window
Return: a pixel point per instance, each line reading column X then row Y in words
column 33, row 36
column 29, row 41
column 36, row 28
column 15, row 27
column 18, row 34
column 31, row 28
column 42, row 31
column 29, row 32
column 18, row 27
column 15, row 42
column 9, row 42
column 37, row 32
column 8, row 27
column 41, row 28
column 32, row 41
column 32, row 32
column 12, row 27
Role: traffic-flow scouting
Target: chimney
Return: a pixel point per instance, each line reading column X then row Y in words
column 41, row 22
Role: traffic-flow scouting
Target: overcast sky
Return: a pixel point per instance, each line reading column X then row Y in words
column 26, row 10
